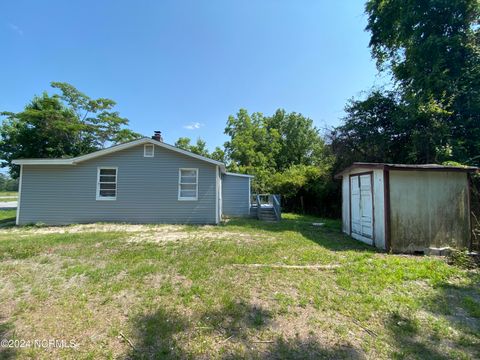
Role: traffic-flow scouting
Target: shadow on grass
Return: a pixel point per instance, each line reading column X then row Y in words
column 456, row 309
column 228, row 333
column 5, row 331
column 459, row 305
column 409, row 343
column 328, row 236
column 7, row 223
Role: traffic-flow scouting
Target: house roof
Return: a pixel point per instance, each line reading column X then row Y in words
column 406, row 167
column 113, row 149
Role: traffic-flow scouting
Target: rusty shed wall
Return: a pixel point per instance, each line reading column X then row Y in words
column 428, row 209
column 379, row 209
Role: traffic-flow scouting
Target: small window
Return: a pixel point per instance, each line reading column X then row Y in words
column 148, row 150
column 188, row 184
column 107, row 183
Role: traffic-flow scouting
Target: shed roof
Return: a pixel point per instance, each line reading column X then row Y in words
column 406, row 167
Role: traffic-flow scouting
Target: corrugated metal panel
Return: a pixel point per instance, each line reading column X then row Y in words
column 236, row 194
column 147, row 190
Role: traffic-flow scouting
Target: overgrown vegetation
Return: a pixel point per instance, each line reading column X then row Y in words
column 463, row 259
column 430, row 113
column 7, row 183
column 163, row 291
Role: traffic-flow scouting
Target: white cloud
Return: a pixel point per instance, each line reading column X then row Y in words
column 193, row 126
column 15, row 28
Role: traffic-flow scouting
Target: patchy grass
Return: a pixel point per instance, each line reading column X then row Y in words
column 7, row 196
column 8, row 193
column 144, row 291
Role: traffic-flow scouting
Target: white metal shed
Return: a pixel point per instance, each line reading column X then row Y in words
column 407, row 208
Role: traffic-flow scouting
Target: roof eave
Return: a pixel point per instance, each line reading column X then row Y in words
column 401, row 167
column 42, row 162
column 240, row 175
column 113, row 149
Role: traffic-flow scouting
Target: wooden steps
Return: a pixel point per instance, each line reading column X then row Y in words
column 267, row 214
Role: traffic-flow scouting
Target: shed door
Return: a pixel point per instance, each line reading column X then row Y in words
column 362, row 205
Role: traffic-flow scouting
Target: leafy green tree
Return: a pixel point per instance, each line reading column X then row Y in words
column 199, row 148
column 7, row 183
column 219, row 154
column 432, row 50
column 3, row 182
column 374, row 130
column 307, row 188
column 11, row 184
column 299, row 141
column 275, row 142
column 60, row 126
column 285, row 152
column 183, row 143
column 430, row 46
column 252, row 144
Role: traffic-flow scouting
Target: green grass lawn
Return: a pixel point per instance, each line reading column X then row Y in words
column 6, row 196
column 7, row 218
column 147, row 291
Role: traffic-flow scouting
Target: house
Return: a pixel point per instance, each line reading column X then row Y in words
column 142, row 181
column 407, row 208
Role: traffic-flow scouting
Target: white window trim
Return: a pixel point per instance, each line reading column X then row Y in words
column 179, row 185
column 145, row 150
column 107, row 198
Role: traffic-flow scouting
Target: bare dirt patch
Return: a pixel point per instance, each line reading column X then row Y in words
column 159, row 237
column 163, row 235
column 282, row 266
column 144, row 233
column 86, row 228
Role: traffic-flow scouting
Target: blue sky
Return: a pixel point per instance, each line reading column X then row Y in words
column 183, row 66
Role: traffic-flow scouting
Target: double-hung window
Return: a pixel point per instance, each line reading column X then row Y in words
column 107, row 183
column 188, row 184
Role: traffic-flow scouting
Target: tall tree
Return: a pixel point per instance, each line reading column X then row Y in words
column 102, row 125
column 432, row 49
column 200, row 147
column 219, row 154
column 274, row 147
column 300, row 142
column 374, row 130
column 252, row 144
column 431, row 46
column 273, row 142
column 183, row 143
column 58, row 126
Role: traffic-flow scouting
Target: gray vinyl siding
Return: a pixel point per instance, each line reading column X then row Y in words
column 235, row 195
column 147, row 190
